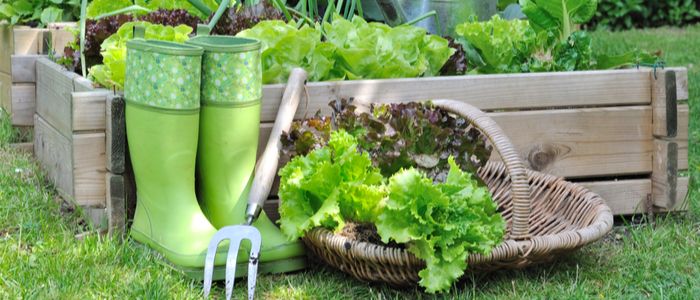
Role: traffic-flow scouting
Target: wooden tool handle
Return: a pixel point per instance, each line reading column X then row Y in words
column 266, row 168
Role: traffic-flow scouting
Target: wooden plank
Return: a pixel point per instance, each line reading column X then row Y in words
column 23, row 147
column 89, row 110
column 682, row 137
column 582, row 142
column 116, row 205
column 97, row 217
column 578, row 142
column 24, row 67
column 115, row 132
column 664, row 104
column 54, row 153
column 28, row 40
column 6, row 92
column 54, row 99
column 681, row 82
column 23, row 104
column 60, row 36
column 82, row 84
column 664, row 176
column 624, row 197
column 7, row 49
column 681, row 193
column 89, row 169
column 488, row 92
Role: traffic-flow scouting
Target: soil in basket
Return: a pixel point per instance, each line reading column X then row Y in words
column 366, row 232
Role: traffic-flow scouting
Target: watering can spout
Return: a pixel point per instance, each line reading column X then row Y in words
column 392, row 11
column 446, row 14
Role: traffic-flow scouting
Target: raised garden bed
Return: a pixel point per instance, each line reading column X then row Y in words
column 620, row 133
column 22, row 46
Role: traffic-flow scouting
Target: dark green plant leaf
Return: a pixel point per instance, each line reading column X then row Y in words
column 51, row 14
column 22, row 7
column 6, row 10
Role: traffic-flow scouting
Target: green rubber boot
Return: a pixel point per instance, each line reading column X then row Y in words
column 228, row 142
column 162, row 123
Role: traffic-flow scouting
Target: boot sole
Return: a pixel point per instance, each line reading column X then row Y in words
column 270, row 267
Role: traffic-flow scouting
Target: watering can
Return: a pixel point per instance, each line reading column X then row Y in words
column 450, row 13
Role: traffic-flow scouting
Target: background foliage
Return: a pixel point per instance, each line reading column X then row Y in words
column 38, row 12
column 627, row 14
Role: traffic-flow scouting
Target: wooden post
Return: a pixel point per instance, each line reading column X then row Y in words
column 116, row 135
column 664, row 174
column 664, row 103
column 670, row 130
column 116, row 205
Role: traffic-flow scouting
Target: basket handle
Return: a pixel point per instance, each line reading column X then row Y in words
column 520, row 189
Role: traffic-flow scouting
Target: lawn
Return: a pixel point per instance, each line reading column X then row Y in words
column 40, row 257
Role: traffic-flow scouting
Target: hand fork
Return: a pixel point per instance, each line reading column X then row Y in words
column 235, row 234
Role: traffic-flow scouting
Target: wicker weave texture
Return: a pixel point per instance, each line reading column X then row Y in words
column 545, row 216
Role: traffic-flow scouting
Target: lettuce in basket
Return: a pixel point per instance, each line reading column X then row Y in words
column 329, row 186
column 440, row 223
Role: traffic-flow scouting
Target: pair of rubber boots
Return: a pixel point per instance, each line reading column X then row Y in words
column 172, row 134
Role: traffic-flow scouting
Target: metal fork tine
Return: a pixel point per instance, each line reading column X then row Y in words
column 235, row 234
column 231, row 263
column 255, row 241
column 209, row 264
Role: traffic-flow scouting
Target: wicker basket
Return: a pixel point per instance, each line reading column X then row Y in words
column 544, row 214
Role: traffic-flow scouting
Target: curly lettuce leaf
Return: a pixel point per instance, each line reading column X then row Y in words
column 112, row 71
column 284, row 47
column 503, row 45
column 348, row 50
column 328, row 186
column 440, row 223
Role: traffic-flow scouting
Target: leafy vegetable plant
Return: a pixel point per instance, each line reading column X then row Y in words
column 112, row 72
column 558, row 16
column 328, row 186
column 440, row 223
column 285, row 46
column 38, row 12
column 346, row 49
column 397, row 136
column 512, row 46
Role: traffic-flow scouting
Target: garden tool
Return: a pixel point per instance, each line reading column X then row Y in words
column 162, row 90
column 261, row 185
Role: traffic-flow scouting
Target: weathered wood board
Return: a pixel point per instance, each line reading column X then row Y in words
column 77, row 119
column 584, row 142
column 487, row 92
column 21, row 48
column 23, row 104
column 75, row 164
column 600, row 126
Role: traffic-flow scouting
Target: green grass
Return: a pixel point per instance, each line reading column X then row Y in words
column 40, row 257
